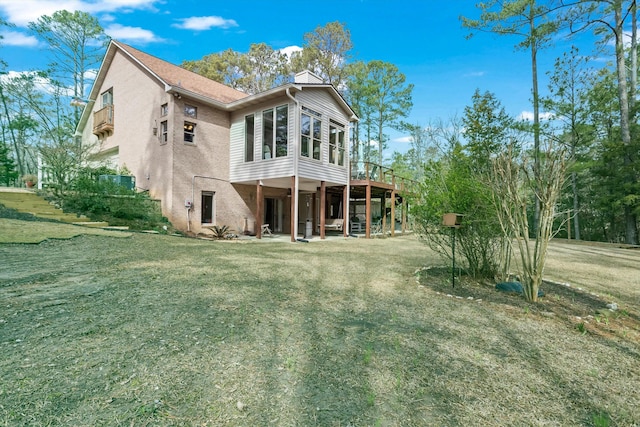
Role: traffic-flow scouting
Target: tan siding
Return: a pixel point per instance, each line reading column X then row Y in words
column 242, row 171
column 320, row 101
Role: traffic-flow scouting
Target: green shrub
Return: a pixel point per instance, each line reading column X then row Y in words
column 105, row 200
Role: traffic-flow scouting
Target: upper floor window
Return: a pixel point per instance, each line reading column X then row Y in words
column 164, row 109
column 164, row 131
column 190, row 111
column 336, row 143
column 275, row 130
column 249, row 137
column 189, row 132
column 311, row 134
column 107, row 97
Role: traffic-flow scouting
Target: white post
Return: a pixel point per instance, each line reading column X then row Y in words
column 40, row 172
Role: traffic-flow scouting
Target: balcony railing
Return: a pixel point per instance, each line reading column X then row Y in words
column 103, row 121
column 367, row 171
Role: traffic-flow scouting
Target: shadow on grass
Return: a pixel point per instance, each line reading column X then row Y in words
column 167, row 331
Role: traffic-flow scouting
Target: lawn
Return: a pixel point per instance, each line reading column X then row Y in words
column 161, row 330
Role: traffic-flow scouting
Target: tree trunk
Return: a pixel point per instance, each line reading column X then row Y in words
column 21, row 168
column 631, row 233
column 380, row 135
column 576, row 206
column 536, row 110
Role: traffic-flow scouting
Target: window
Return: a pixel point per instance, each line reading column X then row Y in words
column 164, row 131
column 107, row 98
column 267, row 134
column 282, row 120
column 336, row 143
column 164, row 110
column 311, row 134
column 190, row 111
column 189, row 132
column 249, row 127
column 275, row 130
column 207, row 209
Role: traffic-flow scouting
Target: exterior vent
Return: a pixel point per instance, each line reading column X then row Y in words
column 307, row 77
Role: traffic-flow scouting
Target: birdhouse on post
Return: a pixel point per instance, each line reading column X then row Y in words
column 452, row 220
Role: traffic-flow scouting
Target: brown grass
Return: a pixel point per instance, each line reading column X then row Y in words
column 157, row 330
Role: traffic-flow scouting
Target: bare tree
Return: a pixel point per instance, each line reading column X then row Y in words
column 514, row 184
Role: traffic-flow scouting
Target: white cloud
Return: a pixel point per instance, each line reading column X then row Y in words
column 25, row 11
column 14, row 38
column 404, row 140
column 289, row 50
column 201, row 23
column 41, row 84
column 475, row 74
column 135, row 34
column 527, row 116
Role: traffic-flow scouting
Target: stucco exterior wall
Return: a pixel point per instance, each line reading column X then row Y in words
column 203, row 166
column 136, row 101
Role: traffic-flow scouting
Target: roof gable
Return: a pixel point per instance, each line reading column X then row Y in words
column 172, row 75
column 177, row 80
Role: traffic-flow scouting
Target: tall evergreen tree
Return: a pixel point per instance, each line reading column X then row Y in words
column 529, row 20
column 326, row 52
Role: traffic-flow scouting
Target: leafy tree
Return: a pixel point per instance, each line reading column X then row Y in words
column 263, row 68
column 426, row 144
column 607, row 184
column 76, row 43
column 8, row 131
column 384, row 97
column 258, row 70
column 449, row 185
column 44, row 122
column 326, row 53
column 358, row 94
column 529, row 20
column 8, row 172
column 223, row 67
column 457, row 182
column 568, row 85
column 610, row 19
column 487, row 128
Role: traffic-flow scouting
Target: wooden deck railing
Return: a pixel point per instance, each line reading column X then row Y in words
column 367, row 171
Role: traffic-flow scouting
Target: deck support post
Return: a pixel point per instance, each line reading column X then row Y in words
column 259, row 209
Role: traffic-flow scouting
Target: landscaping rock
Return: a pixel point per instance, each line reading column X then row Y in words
column 515, row 287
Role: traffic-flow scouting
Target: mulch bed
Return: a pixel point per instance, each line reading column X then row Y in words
column 585, row 311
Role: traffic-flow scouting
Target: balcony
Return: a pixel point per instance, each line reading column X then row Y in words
column 367, row 173
column 103, row 121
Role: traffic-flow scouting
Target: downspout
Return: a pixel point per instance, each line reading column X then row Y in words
column 296, row 115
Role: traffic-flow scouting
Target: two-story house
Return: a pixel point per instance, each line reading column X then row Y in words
column 216, row 156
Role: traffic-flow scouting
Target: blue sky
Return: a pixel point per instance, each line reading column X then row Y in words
column 423, row 38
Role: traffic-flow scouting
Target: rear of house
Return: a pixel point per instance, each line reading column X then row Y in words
column 216, row 156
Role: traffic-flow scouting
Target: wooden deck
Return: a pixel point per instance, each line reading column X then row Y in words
column 370, row 181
